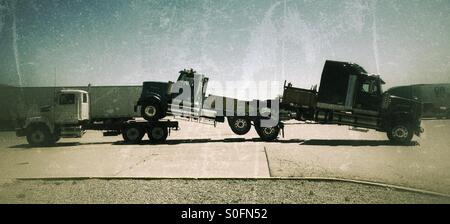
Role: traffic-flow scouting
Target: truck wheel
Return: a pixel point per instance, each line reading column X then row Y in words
column 158, row 134
column 133, row 134
column 40, row 136
column 151, row 111
column 267, row 134
column 400, row 134
column 239, row 125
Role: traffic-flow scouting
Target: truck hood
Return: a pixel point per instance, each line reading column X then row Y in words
column 399, row 104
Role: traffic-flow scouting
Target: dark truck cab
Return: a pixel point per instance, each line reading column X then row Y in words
column 348, row 95
column 154, row 100
column 184, row 97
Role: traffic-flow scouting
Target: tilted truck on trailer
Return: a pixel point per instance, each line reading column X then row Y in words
column 70, row 116
column 347, row 95
column 187, row 98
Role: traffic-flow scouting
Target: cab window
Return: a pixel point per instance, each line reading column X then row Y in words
column 366, row 87
column 67, row 99
column 370, row 87
column 85, row 98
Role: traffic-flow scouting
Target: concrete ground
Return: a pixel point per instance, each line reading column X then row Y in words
column 307, row 150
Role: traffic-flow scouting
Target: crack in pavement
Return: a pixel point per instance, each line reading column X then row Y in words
column 135, row 165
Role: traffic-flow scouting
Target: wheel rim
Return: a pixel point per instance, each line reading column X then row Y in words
column 240, row 123
column 150, row 111
column 268, row 131
column 400, row 132
column 133, row 133
column 157, row 133
column 37, row 136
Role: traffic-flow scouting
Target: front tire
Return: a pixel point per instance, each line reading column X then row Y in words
column 151, row 111
column 158, row 134
column 400, row 134
column 239, row 125
column 133, row 134
column 40, row 136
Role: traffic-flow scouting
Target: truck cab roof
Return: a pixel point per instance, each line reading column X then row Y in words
column 72, row 91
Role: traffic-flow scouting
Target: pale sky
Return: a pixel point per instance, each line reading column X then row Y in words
column 125, row 42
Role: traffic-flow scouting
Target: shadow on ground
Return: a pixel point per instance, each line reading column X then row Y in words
column 318, row 142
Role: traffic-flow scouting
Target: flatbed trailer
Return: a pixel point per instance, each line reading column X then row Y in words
column 134, row 130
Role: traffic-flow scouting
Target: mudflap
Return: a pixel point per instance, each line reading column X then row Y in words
column 281, row 125
column 21, row 132
column 419, row 131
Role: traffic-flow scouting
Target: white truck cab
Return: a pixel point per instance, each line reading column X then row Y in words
column 72, row 107
column 63, row 119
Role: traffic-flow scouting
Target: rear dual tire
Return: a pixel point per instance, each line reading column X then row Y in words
column 267, row 133
column 239, row 125
column 158, row 134
column 133, row 134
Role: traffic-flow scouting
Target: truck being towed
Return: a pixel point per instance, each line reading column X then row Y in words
column 348, row 95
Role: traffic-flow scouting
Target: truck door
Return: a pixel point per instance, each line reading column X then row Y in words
column 84, row 107
column 369, row 95
column 67, row 109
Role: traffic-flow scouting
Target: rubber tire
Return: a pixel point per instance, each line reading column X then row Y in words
column 262, row 132
column 158, row 134
column 45, row 137
column 234, row 125
column 402, row 141
column 158, row 112
column 133, row 134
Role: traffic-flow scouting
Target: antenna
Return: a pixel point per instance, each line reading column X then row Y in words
column 54, row 86
column 54, row 97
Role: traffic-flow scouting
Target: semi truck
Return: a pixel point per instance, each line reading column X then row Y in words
column 107, row 103
column 347, row 95
column 70, row 116
column 434, row 97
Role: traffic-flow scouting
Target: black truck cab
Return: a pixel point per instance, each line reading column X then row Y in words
column 348, row 95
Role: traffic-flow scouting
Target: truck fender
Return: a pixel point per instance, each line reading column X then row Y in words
column 150, row 98
column 153, row 97
column 402, row 117
column 32, row 121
